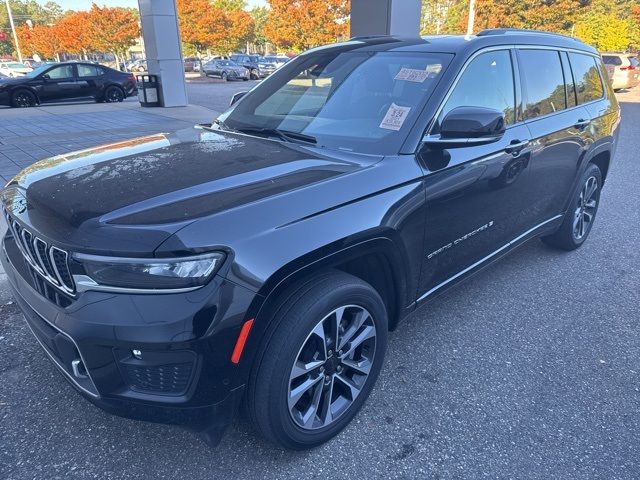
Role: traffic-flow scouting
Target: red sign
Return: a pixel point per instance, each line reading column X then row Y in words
column 3, row 36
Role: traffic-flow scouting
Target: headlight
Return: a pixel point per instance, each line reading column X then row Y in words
column 150, row 273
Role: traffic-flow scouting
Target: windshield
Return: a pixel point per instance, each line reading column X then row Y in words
column 15, row 65
column 355, row 101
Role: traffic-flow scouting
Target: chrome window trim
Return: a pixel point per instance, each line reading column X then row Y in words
column 428, row 130
column 484, row 259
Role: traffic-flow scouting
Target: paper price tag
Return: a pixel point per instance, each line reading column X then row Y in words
column 395, row 117
column 412, row 75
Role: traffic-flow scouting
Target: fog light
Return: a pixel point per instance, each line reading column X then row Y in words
column 137, row 354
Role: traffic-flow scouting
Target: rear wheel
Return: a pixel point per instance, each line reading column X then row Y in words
column 318, row 366
column 113, row 94
column 224, row 77
column 581, row 214
column 23, row 99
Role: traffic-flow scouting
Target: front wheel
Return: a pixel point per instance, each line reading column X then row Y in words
column 320, row 363
column 224, row 76
column 581, row 214
column 23, row 99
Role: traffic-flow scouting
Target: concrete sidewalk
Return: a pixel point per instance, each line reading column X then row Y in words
column 29, row 135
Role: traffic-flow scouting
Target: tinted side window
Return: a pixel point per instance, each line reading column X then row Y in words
column 61, row 72
column 486, row 82
column 88, row 71
column 612, row 60
column 544, row 82
column 587, row 78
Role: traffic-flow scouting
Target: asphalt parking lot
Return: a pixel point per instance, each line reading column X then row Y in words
column 529, row 370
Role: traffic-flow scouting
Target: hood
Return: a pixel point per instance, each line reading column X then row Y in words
column 112, row 197
column 12, row 80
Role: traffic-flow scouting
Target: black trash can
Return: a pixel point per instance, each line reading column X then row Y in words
column 148, row 90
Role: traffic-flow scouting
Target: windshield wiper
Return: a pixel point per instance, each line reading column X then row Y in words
column 285, row 135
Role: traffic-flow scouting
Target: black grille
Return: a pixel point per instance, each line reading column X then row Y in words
column 171, row 379
column 48, row 262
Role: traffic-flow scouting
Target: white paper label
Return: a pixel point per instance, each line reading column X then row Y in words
column 395, row 117
column 152, row 95
column 412, row 75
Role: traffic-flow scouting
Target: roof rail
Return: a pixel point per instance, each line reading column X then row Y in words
column 365, row 37
column 504, row 31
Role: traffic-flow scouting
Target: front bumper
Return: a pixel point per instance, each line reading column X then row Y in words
column 184, row 374
column 4, row 97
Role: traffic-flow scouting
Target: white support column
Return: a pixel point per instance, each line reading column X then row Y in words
column 159, row 19
column 385, row 17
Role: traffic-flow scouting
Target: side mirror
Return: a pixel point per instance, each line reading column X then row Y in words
column 237, row 96
column 467, row 126
column 46, row 77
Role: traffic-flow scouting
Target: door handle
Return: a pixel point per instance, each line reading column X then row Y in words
column 582, row 123
column 516, row 146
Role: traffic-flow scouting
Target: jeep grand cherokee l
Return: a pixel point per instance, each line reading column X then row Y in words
column 264, row 258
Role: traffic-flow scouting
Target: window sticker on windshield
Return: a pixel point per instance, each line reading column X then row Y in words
column 395, row 117
column 412, row 75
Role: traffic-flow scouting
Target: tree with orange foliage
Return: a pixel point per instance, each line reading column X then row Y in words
column 41, row 40
column 302, row 24
column 111, row 30
column 206, row 26
column 550, row 15
column 73, row 33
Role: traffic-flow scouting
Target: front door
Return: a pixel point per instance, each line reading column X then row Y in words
column 59, row 83
column 473, row 193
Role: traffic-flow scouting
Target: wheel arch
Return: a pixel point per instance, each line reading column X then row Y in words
column 30, row 89
column 376, row 260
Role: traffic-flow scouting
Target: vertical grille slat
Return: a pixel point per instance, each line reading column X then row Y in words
column 48, row 262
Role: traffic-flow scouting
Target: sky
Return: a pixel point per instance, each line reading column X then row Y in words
column 86, row 4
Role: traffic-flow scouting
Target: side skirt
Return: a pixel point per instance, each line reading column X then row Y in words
column 540, row 229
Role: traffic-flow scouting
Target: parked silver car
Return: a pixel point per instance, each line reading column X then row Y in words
column 626, row 73
column 225, row 69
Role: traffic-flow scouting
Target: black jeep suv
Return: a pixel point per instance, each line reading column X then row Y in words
column 262, row 259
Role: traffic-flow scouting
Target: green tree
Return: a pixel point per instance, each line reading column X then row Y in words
column 604, row 25
column 260, row 16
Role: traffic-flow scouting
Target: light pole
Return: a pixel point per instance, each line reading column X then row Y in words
column 13, row 30
column 472, row 16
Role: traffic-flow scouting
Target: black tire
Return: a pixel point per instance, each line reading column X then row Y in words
column 572, row 235
column 299, row 313
column 253, row 74
column 224, row 77
column 113, row 94
column 23, row 99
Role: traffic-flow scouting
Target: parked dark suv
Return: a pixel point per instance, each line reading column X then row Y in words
column 264, row 258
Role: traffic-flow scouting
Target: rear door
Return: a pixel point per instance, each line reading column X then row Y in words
column 59, row 83
column 89, row 80
column 559, row 130
column 473, row 193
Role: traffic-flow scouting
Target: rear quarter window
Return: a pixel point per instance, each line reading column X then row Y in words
column 612, row 60
column 587, row 78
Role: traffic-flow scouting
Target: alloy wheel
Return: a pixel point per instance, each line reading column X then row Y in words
column 331, row 367
column 586, row 209
column 23, row 100
column 114, row 95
